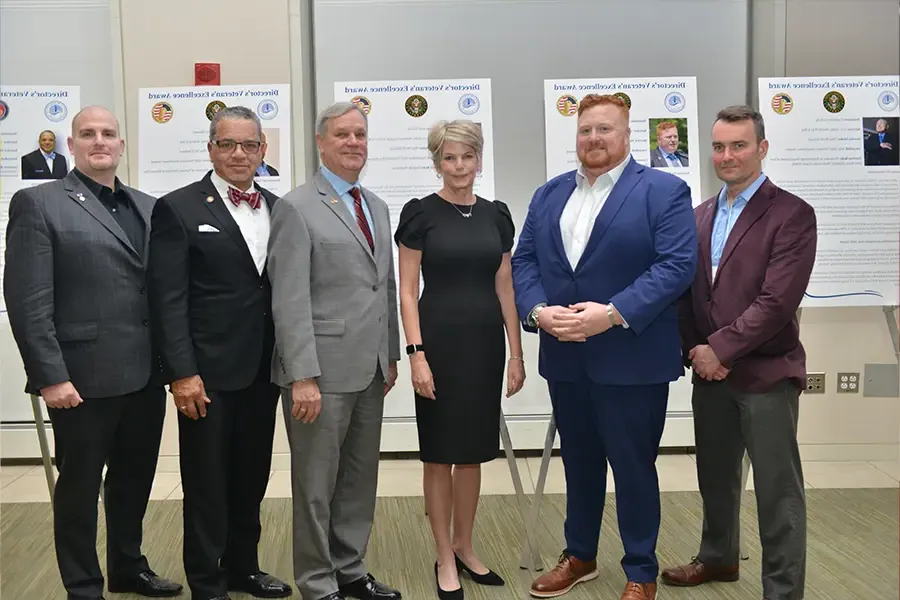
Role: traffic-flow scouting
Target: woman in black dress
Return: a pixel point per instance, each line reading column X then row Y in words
column 456, row 341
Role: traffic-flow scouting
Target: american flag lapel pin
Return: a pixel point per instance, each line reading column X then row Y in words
column 334, row 200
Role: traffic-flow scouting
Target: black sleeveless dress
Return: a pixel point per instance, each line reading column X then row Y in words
column 461, row 323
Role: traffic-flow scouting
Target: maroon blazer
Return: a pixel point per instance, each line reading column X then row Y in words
column 748, row 315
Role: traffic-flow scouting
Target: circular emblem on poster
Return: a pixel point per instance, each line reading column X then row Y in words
column 782, row 103
column 624, row 97
column 567, row 105
column 56, row 111
column 675, row 102
column 4, row 110
column 213, row 107
column 363, row 103
column 887, row 100
column 469, row 104
column 162, row 112
column 834, row 102
column 267, row 109
column 416, row 105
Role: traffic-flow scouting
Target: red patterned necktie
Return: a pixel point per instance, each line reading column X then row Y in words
column 361, row 218
column 236, row 197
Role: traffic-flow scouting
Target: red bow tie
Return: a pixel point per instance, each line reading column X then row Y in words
column 236, row 197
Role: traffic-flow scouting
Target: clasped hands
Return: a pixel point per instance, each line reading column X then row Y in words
column 706, row 364
column 576, row 322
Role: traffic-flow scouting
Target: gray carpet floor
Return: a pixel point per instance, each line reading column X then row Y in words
column 852, row 547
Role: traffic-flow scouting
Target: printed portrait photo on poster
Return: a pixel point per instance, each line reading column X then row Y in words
column 881, row 147
column 669, row 143
column 46, row 160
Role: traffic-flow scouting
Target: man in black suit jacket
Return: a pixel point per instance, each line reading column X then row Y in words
column 45, row 162
column 211, row 302
column 75, row 290
column 881, row 147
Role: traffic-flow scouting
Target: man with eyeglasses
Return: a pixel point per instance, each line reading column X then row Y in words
column 211, row 304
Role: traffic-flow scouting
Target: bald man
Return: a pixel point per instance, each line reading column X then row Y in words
column 45, row 162
column 76, row 256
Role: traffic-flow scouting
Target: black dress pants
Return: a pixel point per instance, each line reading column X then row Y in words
column 226, row 458
column 123, row 433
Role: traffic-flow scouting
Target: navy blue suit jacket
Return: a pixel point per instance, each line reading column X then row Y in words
column 641, row 256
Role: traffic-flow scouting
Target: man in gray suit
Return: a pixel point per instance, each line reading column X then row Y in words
column 76, row 254
column 334, row 303
column 666, row 154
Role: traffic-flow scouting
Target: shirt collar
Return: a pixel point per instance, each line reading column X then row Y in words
column 744, row 196
column 222, row 186
column 95, row 187
column 339, row 184
column 614, row 174
column 50, row 155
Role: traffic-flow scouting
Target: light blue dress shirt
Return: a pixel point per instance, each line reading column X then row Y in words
column 672, row 159
column 726, row 216
column 343, row 189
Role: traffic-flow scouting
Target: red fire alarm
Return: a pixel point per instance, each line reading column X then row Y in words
column 207, row 74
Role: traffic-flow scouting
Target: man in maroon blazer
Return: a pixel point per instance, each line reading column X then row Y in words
column 741, row 338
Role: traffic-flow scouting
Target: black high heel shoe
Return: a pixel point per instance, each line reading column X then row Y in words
column 456, row 594
column 489, row 578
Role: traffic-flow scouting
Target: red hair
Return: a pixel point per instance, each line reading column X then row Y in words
column 592, row 100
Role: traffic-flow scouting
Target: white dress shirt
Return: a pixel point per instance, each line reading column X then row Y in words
column 582, row 208
column 253, row 223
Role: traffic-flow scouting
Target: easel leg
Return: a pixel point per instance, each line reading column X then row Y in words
column 521, row 500
column 45, row 446
column 890, row 314
column 535, row 515
column 745, row 476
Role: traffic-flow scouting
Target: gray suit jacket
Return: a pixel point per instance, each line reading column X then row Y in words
column 658, row 160
column 334, row 303
column 74, row 290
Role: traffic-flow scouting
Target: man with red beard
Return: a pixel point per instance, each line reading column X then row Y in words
column 604, row 254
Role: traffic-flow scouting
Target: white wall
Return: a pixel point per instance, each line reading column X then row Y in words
column 267, row 42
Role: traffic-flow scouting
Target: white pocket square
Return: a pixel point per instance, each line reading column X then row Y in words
column 207, row 229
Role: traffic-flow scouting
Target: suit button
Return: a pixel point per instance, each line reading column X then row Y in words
column 708, row 298
column 143, row 290
column 260, row 286
column 145, row 322
column 374, row 288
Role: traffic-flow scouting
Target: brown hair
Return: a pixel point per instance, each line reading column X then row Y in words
column 741, row 112
column 592, row 100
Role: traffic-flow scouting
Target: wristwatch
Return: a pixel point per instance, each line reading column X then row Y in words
column 532, row 320
column 413, row 348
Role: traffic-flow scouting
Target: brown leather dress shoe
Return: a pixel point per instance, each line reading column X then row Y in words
column 568, row 573
column 639, row 591
column 697, row 573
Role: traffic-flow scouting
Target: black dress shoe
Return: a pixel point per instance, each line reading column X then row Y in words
column 366, row 588
column 148, row 584
column 260, row 585
column 489, row 578
column 443, row 594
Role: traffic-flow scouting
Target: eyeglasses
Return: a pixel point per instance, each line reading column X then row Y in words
column 229, row 146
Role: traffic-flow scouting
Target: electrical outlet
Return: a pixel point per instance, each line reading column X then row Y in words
column 815, row 383
column 848, row 383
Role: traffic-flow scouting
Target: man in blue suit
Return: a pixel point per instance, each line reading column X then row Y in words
column 604, row 254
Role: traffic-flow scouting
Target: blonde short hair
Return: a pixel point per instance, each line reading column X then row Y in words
column 461, row 131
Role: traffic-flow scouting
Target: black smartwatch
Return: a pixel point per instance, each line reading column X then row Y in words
column 413, row 348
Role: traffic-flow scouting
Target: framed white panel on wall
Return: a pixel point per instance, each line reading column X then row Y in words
column 59, row 43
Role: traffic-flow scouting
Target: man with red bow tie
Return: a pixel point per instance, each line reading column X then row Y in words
column 211, row 304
